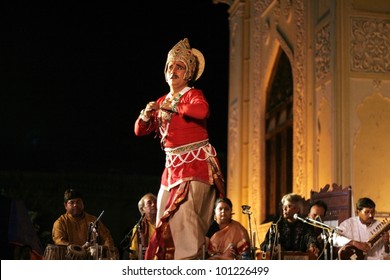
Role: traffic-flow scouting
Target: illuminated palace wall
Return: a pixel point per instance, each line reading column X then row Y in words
column 340, row 57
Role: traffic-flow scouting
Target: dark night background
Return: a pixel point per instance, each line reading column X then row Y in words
column 74, row 78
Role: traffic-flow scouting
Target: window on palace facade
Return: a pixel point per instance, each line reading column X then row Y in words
column 279, row 135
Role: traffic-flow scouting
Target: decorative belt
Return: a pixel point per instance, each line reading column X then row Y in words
column 186, row 148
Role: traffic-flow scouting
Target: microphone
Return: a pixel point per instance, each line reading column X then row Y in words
column 296, row 217
column 308, row 220
column 316, row 223
column 92, row 229
column 245, row 209
column 94, row 223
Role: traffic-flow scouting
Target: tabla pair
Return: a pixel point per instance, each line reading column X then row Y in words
column 76, row 252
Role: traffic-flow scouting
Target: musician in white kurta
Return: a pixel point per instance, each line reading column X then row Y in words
column 358, row 230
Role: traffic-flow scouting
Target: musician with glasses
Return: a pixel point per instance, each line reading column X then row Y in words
column 363, row 236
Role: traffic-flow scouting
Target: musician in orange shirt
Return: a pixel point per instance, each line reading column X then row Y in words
column 79, row 229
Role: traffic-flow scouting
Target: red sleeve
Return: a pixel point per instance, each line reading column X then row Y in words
column 193, row 104
column 142, row 128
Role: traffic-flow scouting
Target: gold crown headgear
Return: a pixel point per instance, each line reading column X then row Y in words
column 191, row 57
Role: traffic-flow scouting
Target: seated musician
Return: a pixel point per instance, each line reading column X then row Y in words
column 143, row 231
column 317, row 211
column 226, row 239
column 74, row 227
column 290, row 233
column 357, row 232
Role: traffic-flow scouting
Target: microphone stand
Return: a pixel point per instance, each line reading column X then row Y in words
column 93, row 231
column 327, row 236
column 330, row 238
column 127, row 236
column 275, row 234
column 271, row 242
column 279, row 246
column 331, row 230
column 140, row 240
column 324, row 237
column 245, row 210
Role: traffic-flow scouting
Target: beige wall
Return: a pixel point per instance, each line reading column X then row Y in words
column 340, row 57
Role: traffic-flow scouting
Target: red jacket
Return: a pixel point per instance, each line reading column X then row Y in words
column 187, row 126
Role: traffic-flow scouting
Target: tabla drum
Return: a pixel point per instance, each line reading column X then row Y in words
column 114, row 253
column 75, row 252
column 54, row 252
column 97, row 252
column 101, row 252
